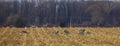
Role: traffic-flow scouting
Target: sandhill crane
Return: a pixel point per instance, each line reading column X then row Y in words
column 66, row 32
column 45, row 25
column 11, row 26
column 33, row 26
column 55, row 32
column 82, row 31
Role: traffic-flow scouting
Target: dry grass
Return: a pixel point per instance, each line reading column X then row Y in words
column 44, row 37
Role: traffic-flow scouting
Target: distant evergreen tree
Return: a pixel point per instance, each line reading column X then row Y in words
column 62, row 24
column 20, row 22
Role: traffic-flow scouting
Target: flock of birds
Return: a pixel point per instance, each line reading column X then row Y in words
column 67, row 32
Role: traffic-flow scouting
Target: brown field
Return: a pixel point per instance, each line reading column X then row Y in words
column 45, row 37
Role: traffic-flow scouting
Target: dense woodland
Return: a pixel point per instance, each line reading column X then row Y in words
column 53, row 13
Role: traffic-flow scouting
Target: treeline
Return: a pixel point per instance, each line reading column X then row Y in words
column 83, row 13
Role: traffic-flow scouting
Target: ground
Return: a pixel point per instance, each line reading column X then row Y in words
column 45, row 37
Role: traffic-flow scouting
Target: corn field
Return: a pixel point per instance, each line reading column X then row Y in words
column 44, row 37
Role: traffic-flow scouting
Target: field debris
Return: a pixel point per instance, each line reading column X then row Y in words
column 88, row 32
column 24, row 31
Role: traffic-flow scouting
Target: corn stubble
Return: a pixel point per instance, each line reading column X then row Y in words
column 45, row 37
